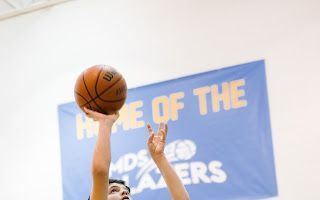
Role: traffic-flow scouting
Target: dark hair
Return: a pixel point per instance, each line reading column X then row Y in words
column 117, row 181
column 122, row 182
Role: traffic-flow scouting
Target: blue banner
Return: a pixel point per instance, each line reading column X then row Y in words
column 219, row 138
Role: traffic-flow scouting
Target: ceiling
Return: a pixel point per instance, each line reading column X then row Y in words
column 11, row 8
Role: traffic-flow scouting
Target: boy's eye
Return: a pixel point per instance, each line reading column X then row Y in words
column 114, row 190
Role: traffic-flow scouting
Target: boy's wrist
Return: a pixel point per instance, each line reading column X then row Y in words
column 107, row 122
column 159, row 158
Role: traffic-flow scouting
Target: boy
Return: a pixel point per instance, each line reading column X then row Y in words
column 105, row 189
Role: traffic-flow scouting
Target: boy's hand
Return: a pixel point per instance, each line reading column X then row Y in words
column 156, row 143
column 96, row 116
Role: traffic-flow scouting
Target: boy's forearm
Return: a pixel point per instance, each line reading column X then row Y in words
column 175, row 186
column 101, row 162
column 102, row 154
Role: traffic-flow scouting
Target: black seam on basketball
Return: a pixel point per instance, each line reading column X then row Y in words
column 109, row 101
column 90, row 106
column 77, row 93
column 95, row 87
column 84, row 82
column 103, row 91
column 112, row 101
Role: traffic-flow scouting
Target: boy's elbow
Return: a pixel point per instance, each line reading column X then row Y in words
column 100, row 169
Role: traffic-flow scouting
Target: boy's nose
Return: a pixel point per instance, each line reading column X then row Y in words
column 125, row 192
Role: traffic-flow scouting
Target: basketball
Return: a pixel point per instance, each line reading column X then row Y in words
column 101, row 88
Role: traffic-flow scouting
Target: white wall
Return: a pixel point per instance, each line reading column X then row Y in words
column 149, row 41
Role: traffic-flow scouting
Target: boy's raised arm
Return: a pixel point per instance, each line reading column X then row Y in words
column 156, row 145
column 101, row 155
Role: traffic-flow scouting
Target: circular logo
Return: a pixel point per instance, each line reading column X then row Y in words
column 185, row 149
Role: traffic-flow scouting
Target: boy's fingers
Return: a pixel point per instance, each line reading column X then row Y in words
column 163, row 131
column 149, row 128
column 163, row 135
column 150, row 138
column 88, row 111
column 85, row 109
column 116, row 115
column 160, row 127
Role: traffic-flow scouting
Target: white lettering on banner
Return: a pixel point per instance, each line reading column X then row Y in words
column 129, row 161
column 199, row 171
column 192, row 172
column 218, row 175
column 183, row 173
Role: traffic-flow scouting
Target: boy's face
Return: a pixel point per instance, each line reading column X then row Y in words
column 118, row 191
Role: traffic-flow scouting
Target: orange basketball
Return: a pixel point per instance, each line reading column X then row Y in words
column 101, row 88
